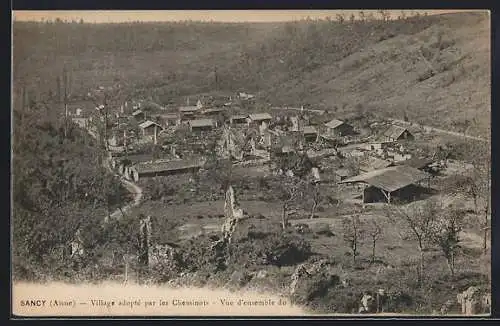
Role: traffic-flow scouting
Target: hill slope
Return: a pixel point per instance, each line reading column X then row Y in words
column 436, row 69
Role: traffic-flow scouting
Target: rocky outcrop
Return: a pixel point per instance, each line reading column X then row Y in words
column 474, row 301
column 232, row 213
column 311, row 281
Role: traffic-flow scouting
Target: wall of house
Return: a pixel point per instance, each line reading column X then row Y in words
column 373, row 195
column 168, row 172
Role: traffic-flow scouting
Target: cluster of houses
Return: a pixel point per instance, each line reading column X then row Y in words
column 384, row 168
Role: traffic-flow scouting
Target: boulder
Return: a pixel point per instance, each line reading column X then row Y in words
column 238, row 279
column 311, row 281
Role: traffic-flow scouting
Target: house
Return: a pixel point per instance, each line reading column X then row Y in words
column 395, row 181
column 371, row 163
column 310, row 133
column 422, row 164
column 259, row 119
column 211, row 112
column 238, row 119
column 169, row 119
column 395, row 133
column 245, row 96
column 139, row 115
column 199, row 125
column 188, row 112
column 338, row 128
column 150, row 128
column 163, row 168
column 342, row 174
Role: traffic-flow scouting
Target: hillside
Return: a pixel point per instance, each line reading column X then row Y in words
column 436, row 69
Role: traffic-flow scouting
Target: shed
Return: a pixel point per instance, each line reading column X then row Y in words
column 395, row 133
column 339, row 128
column 238, row 119
column 259, row 117
column 380, row 184
column 419, row 163
column 163, row 168
column 213, row 111
column 188, row 112
column 169, row 119
column 138, row 114
column 310, row 133
column 201, row 124
column 149, row 128
column 342, row 174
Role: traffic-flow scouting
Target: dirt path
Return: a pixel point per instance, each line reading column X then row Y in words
column 426, row 128
column 130, row 186
column 437, row 130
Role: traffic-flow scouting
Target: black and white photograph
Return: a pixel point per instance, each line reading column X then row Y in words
column 251, row 162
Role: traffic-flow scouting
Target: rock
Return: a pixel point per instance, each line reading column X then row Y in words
column 474, row 301
column 311, row 281
column 239, row 279
column 261, row 274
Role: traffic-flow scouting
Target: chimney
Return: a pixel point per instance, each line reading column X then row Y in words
column 154, row 139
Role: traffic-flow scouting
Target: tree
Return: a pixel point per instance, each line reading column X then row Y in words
column 340, row 18
column 352, row 18
column 418, row 223
column 362, row 16
column 374, row 231
column 291, row 190
column 316, row 197
column 353, row 233
column 445, row 235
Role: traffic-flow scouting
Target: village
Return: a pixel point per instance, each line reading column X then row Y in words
column 352, row 166
column 369, row 155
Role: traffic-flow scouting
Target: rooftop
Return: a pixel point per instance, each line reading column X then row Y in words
column 373, row 163
column 309, row 130
column 201, row 123
column 136, row 112
column 147, row 124
column 260, row 116
column 416, row 162
column 394, row 131
column 172, row 165
column 188, row 108
column 391, row 178
column 238, row 116
column 334, row 123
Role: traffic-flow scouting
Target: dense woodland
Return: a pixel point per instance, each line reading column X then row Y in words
column 59, row 186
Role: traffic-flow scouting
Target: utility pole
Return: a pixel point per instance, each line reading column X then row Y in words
column 216, row 78
column 65, row 101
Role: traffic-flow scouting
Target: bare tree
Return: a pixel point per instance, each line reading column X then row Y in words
column 352, row 18
column 445, row 235
column 340, row 18
column 352, row 234
column 362, row 16
column 418, row 222
column 292, row 189
column 316, row 197
column 374, row 231
column 385, row 14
